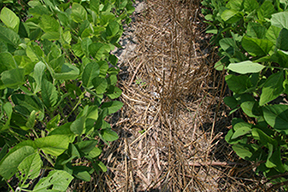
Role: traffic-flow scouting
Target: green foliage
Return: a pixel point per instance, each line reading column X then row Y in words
column 57, row 84
column 252, row 40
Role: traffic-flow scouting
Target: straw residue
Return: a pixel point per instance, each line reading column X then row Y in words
column 173, row 122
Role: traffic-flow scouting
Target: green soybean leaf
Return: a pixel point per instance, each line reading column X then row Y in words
column 242, row 151
column 49, row 24
column 228, row 45
column 25, row 104
column 240, row 128
column 272, row 88
column 238, row 84
column 240, row 132
column 221, row 64
column 94, row 6
column 78, row 125
column 228, row 137
column 92, row 113
column 285, row 86
column 68, row 72
column 280, row 20
column 245, row 67
column 231, row 16
column 130, row 8
column 121, row 4
column 19, row 121
column 82, row 172
column 3, row 151
column 263, row 138
column 250, row 106
column 3, row 47
column 31, row 120
column 10, row 19
column 109, row 135
column 239, row 123
column 10, row 163
column 95, row 152
column 53, row 51
column 256, row 47
column 284, row 3
column 34, row 52
column 99, row 50
column 49, row 93
column 85, row 45
column 73, row 151
column 266, row 10
column 280, row 57
column 231, row 102
column 275, row 161
column 91, row 71
column 103, row 68
column 86, row 146
column 54, row 144
column 91, row 118
column 87, row 33
column 39, row 10
column 57, row 64
column 277, row 117
column 113, row 60
column 100, row 84
column 57, row 180
column 7, row 61
column 112, row 79
column 213, row 31
column 235, row 5
column 77, row 49
column 53, row 123
column 273, row 33
column 30, row 166
column 256, row 30
column 99, row 166
column 112, row 29
column 67, row 37
column 269, row 163
column 64, row 130
column 112, row 106
column 38, row 75
column 52, row 36
column 9, row 36
column 113, row 92
column 25, row 62
column 13, row 78
column 79, row 13
column 8, row 110
column 250, row 5
column 282, row 40
column 86, row 25
column 113, row 71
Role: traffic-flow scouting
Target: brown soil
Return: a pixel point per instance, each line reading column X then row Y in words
column 173, row 122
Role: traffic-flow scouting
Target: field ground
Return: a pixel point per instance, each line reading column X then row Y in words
column 173, row 123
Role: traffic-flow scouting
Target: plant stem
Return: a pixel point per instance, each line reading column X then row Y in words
column 62, row 114
column 9, row 185
column 76, row 105
column 20, row 189
column 48, row 159
column 35, row 133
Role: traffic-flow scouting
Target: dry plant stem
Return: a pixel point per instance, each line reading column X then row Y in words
column 135, row 72
column 147, row 131
column 126, row 164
